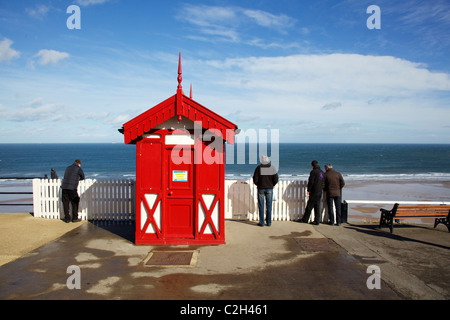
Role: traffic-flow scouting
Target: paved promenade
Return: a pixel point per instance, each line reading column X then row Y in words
column 287, row 261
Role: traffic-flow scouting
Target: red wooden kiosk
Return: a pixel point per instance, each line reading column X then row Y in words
column 180, row 171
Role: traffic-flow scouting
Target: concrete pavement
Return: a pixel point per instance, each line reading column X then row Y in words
column 256, row 263
column 414, row 260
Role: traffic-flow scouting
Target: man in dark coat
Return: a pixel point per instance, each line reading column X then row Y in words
column 334, row 182
column 265, row 178
column 72, row 176
column 315, row 189
column 53, row 174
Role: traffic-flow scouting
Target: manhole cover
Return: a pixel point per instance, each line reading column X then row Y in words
column 318, row 244
column 159, row 258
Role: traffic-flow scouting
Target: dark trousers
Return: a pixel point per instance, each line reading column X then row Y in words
column 70, row 196
column 337, row 203
column 314, row 202
column 266, row 194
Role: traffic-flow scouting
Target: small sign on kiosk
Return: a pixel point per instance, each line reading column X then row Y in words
column 180, row 175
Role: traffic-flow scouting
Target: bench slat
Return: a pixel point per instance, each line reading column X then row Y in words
column 426, row 211
column 423, row 213
column 425, row 206
column 421, row 216
column 423, row 209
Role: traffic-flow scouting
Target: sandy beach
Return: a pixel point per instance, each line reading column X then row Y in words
column 391, row 191
column 21, row 230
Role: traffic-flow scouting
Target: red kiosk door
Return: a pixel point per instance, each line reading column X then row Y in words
column 179, row 221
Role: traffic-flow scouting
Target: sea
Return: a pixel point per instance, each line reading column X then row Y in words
column 356, row 162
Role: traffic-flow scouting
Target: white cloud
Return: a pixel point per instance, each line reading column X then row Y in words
column 270, row 20
column 207, row 16
column 51, row 57
column 316, row 97
column 39, row 12
column 6, row 52
column 419, row 12
column 226, row 22
column 332, row 106
column 118, row 120
column 216, row 21
column 290, row 93
column 342, row 75
column 35, row 110
column 90, row 2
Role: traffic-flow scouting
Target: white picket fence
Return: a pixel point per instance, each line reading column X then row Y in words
column 100, row 199
column 241, row 198
column 115, row 199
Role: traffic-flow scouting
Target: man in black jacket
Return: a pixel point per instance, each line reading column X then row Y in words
column 315, row 188
column 265, row 178
column 72, row 176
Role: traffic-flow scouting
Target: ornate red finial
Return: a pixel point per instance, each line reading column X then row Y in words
column 179, row 71
column 190, row 94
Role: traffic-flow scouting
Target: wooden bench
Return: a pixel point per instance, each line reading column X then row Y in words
column 441, row 214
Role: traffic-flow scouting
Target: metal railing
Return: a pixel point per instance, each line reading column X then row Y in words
column 15, row 204
column 17, row 192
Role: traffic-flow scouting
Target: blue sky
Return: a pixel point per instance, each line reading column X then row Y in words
column 311, row 69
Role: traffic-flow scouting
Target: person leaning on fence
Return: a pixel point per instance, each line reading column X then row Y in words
column 334, row 182
column 315, row 189
column 69, row 186
column 265, row 178
column 53, row 174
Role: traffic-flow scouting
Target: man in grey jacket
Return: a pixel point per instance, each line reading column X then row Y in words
column 72, row 176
